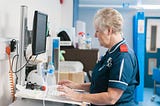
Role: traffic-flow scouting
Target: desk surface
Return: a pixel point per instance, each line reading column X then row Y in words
column 32, row 102
column 40, row 95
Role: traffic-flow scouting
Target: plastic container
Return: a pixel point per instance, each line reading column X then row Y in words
column 71, row 70
column 88, row 41
column 71, row 66
column 81, row 40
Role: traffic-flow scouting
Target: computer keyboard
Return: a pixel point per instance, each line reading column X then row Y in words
column 51, row 91
column 51, row 95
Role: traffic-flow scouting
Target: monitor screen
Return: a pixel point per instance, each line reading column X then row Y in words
column 39, row 33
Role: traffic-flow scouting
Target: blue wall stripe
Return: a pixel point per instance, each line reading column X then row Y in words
column 138, row 46
column 75, row 11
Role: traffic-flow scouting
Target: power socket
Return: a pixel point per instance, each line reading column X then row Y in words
column 4, row 42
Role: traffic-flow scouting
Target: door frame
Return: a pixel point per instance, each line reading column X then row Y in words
column 152, row 56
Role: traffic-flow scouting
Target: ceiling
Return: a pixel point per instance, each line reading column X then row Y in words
column 108, row 2
column 119, row 2
column 136, row 4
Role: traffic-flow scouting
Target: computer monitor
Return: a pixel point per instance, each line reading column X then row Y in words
column 39, row 33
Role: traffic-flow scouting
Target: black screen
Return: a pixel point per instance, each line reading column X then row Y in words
column 39, row 33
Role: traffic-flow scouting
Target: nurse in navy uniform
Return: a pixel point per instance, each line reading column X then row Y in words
column 116, row 74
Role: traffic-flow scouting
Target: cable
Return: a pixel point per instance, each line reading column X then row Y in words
column 16, row 67
column 17, row 64
column 14, row 58
column 8, row 51
column 35, row 58
column 17, row 55
column 23, row 65
column 44, row 99
column 45, row 79
column 46, row 92
column 27, row 61
column 25, row 55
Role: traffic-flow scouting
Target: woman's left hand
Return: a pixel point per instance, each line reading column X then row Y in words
column 69, row 93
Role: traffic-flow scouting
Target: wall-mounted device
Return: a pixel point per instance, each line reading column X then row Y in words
column 4, row 42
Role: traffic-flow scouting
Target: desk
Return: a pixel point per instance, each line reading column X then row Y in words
column 36, row 102
column 88, row 57
column 27, row 97
column 32, row 102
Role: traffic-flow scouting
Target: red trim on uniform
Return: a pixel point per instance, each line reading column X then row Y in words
column 123, row 48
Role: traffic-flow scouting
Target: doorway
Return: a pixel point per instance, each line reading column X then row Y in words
column 152, row 48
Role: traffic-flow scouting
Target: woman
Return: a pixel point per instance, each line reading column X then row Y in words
column 116, row 75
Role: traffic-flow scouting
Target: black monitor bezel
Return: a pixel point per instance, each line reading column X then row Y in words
column 35, row 36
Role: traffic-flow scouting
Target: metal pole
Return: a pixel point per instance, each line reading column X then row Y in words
column 23, row 30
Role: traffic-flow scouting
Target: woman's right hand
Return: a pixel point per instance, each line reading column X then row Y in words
column 69, row 84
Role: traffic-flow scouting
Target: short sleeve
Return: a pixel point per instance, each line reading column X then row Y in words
column 121, row 71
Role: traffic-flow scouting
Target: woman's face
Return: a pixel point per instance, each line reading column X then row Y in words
column 103, row 37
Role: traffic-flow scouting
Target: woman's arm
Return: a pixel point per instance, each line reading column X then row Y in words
column 104, row 98
column 85, row 86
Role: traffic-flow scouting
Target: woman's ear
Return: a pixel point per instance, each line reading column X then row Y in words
column 106, row 32
column 110, row 31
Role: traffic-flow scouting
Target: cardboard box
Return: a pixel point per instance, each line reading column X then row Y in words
column 77, row 77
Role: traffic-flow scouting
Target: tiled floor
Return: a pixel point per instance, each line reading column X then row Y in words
column 148, row 93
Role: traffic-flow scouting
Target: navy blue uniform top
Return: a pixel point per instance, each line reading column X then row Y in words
column 118, row 68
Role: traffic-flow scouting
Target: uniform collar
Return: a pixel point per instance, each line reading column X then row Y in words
column 114, row 48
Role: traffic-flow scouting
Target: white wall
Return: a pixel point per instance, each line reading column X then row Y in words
column 4, row 87
column 10, row 27
column 67, row 16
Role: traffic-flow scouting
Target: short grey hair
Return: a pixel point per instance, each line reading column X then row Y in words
column 108, row 18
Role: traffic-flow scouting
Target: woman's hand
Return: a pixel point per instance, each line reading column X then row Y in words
column 69, row 84
column 69, row 93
